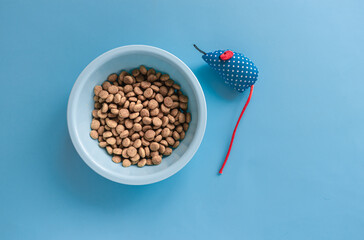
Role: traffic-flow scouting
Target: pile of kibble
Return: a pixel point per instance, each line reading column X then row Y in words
column 139, row 117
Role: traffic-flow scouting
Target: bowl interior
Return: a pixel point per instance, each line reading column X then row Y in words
column 82, row 105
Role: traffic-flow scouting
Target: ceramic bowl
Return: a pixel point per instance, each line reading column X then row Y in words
column 81, row 104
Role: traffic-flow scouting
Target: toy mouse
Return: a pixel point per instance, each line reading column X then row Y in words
column 238, row 71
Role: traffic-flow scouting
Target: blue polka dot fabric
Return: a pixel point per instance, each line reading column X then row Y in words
column 239, row 72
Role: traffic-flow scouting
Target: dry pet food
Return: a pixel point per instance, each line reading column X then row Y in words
column 139, row 117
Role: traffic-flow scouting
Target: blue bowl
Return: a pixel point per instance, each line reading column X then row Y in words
column 80, row 105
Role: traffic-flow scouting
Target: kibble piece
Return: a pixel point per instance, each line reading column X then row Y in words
column 126, row 163
column 154, row 146
column 115, row 111
column 165, row 109
column 94, row 113
column 147, row 151
column 183, row 106
column 154, row 112
column 116, row 159
column 158, row 138
column 124, row 153
column 126, row 104
column 117, row 151
column 183, row 99
column 168, row 102
column 129, row 124
column 159, row 97
column 176, row 135
column 135, row 136
column 128, row 80
column 119, row 128
column 124, row 134
column 111, row 123
column 170, row 92
column 145, row 84
column 122, row 100
column 152, row 78
column 165, row 121
column 138, row 119
column 150, row 71
column 145, row 142
column 146, row 128
column 97, row 90
column 106, row 85
column 188, row 117
column 156, row 160
column 170, row 141
column 153, row 104
column 109, row 150
column 114, row 133
column 95, row 124
column 148, row 93
column 169, row 83
column 141, row 152
column 134, row 115
column 149, row 135
column 182, row 118
column 165, row 132
column 113, row 89
column 147, row 120
column 163, row 90
column 143, row 70
column 164, row 143
column 153, row 154
column 135, row 158
column 179, row 128
column 176, row 86
column 110, row 98
column 182, row 135
column 107, row 134
column 103, row 94
column 137, row 143
column 176, row 144
column 171, row 126
column 104, row 108
column 131, row 151
column 185, row 126
column 176, row 105
column 111, row 141
column 117, row 98
column 126, row 142
column 164, row 77
column 144, row 113
column 94, row 134
column 128, row 88
column 174, row 112
column 123, row 113
column 138, row 107
column 142, row 162
column 168, row 151
column 155, row 89
column 112, row 77
column 157, row 122
column 102, row 144
column 101, row 130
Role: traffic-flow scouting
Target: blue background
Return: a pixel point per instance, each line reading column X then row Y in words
column 296, row 170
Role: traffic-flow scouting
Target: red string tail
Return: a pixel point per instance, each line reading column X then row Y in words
column 236, row 127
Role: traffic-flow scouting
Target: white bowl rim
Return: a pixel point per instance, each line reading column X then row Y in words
column 187, row 156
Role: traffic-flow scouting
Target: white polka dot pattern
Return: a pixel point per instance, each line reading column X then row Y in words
column 239, row 72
